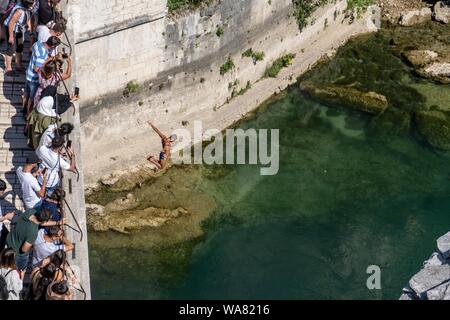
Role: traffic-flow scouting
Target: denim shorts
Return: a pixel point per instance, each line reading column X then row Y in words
column 17, row 46
column 31, row 89
column 22, row 260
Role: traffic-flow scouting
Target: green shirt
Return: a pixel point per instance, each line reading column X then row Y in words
column 24, row 231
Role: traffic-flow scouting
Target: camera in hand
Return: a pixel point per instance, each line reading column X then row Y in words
column 65, row 55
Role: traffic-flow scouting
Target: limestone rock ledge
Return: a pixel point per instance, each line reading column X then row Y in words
column 442, row 12
column 433, row 281
column 101, row 218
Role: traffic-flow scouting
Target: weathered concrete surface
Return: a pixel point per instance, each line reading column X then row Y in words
column 179, row 73
column 74, row 186
column 101, row 17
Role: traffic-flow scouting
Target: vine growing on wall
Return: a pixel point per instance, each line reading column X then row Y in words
column 178, row 4
column 358, row 4
column 304, row 8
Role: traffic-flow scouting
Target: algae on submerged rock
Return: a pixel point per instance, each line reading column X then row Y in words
column 434, row 126
column 388, row 64
column 370, row 102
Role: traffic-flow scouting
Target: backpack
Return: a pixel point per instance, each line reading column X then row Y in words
column 20, row 25
column 4, row 292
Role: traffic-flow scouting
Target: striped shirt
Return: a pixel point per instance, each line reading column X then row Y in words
column 38, row 57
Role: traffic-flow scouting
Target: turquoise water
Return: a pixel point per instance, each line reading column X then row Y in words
column 352, row 191
column 344, row 198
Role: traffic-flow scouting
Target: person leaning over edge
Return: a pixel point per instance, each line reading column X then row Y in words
column 48, row 242
column 40, row 54
column 32, row 193
column 25, row 232
column 53, row 160
column 53, row 131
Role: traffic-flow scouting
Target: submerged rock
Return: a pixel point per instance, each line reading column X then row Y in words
column 441, row 12
column 393, row 121
column 434, row 126
column 412, row 17
column 420, row 58
column 370, row 102
column 95, row 210
column 126, row 203
column 124, row 223
column 439, row 71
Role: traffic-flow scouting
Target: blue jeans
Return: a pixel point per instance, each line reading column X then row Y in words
column 38, row 205
column 31, row 89
column 22, row 260
column 51, row 190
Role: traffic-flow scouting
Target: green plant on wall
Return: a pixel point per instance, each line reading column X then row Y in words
column 227, row 66
column 255, row 55
column 303, row 9
column 131, row 87
column 359, row 5
column 220, row 32
column 174, row 5
column 279, row 64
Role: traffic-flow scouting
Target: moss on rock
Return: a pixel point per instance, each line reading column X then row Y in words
column 434, row 126
column 369, row 102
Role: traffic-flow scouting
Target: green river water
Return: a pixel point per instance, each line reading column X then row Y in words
column 349, row 194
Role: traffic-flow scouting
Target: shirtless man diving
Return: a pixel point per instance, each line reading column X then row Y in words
column 164, row 155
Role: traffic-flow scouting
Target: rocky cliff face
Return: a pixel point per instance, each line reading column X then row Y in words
column 411, row 12
column 433, row 281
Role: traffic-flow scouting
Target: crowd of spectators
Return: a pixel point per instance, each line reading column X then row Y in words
column 33, row 264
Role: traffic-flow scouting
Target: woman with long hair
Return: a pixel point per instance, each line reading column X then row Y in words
column 12, row 277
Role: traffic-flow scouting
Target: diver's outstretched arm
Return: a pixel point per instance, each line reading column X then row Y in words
column 163, row 137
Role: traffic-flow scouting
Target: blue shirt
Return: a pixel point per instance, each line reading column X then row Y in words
column 38, row 57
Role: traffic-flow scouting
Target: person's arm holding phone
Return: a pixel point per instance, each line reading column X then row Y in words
column 41, row 193
column 66, row 75
column 71, row 154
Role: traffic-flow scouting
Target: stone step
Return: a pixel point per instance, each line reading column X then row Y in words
column 8, row 90
column 15, row 144
column 16, row 99
column 18, row 79
column 16, row 120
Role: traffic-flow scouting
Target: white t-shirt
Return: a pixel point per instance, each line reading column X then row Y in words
column 42, row 249
column 43, row 35
column 13, row 283
column 53, row 162
column 30, row 186
column 47, row 136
